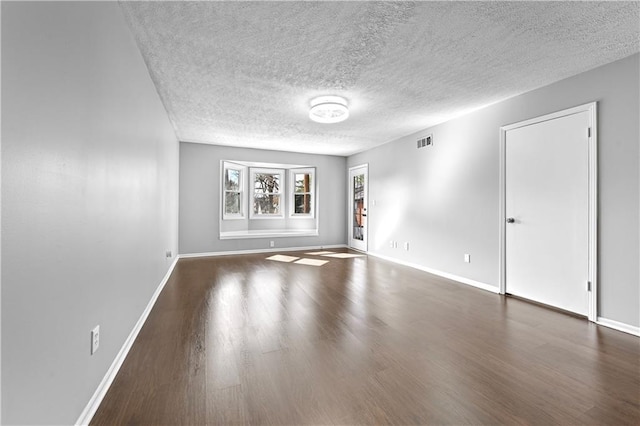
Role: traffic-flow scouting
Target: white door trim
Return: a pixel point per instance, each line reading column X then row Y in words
column 350, row 207
column 591, row 108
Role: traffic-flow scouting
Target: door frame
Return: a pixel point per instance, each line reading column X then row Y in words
column 350, row 207
column 592, row 109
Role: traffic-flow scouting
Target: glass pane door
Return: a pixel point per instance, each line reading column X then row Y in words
column 358, row 202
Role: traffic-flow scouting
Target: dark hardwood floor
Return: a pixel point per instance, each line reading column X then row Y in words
column 241, row 339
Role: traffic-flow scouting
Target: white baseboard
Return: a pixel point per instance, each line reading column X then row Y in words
column 620, row 326
column 103, row 387
column 478, row 284
column 254, row 251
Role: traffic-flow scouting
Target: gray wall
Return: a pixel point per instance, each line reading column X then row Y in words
column 89, row 191
column 200, row 209
column 444, row 199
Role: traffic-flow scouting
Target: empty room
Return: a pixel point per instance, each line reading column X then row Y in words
column 322, row 213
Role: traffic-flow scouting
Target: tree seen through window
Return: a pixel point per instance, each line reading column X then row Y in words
column 267, row 196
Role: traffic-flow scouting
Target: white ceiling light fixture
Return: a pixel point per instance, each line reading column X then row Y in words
column 329, row 109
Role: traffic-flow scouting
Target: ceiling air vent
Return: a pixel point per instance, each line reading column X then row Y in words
column 425, row 141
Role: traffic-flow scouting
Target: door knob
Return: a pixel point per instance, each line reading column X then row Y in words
column 510, row 220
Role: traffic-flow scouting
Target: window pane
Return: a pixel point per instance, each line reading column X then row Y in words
column 232, row 180
column 302, row 203
column 266, row 204
column 266, row 183
column 302, row 182
column 359, row 215
column 232, row 203
column 358, row 182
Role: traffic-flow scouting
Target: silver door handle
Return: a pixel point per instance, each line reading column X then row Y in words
column 510, row 220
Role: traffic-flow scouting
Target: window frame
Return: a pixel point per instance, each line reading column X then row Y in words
column 292, row 193
column 241, row 191
column 253, row 171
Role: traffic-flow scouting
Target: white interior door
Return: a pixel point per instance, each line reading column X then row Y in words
column 358, row 220
column 547, row 212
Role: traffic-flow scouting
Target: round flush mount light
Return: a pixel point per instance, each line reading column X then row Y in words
column 329, row 109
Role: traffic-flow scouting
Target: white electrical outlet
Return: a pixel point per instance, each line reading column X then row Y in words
column 391, row 243
column 168, row 253
column 95, row 339
column 406, row 246
column 272, row 244
column 467, row 258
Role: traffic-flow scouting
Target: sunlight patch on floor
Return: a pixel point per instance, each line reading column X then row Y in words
column 311, row 262
column 343, row 255
column 282, row 258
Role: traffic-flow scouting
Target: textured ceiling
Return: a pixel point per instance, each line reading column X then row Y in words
column 243, row 73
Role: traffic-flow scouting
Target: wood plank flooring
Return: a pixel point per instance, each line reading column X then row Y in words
column 244, row 340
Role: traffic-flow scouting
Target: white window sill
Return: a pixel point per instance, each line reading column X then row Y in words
column 268, row 233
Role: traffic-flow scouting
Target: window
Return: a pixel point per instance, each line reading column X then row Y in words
column 302, row 192
column 233, row 189
column 266, row 200
column 267, row 193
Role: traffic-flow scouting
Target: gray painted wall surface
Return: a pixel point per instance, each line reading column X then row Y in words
column 89, row 188
column 444, row 199
column 200, row 209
